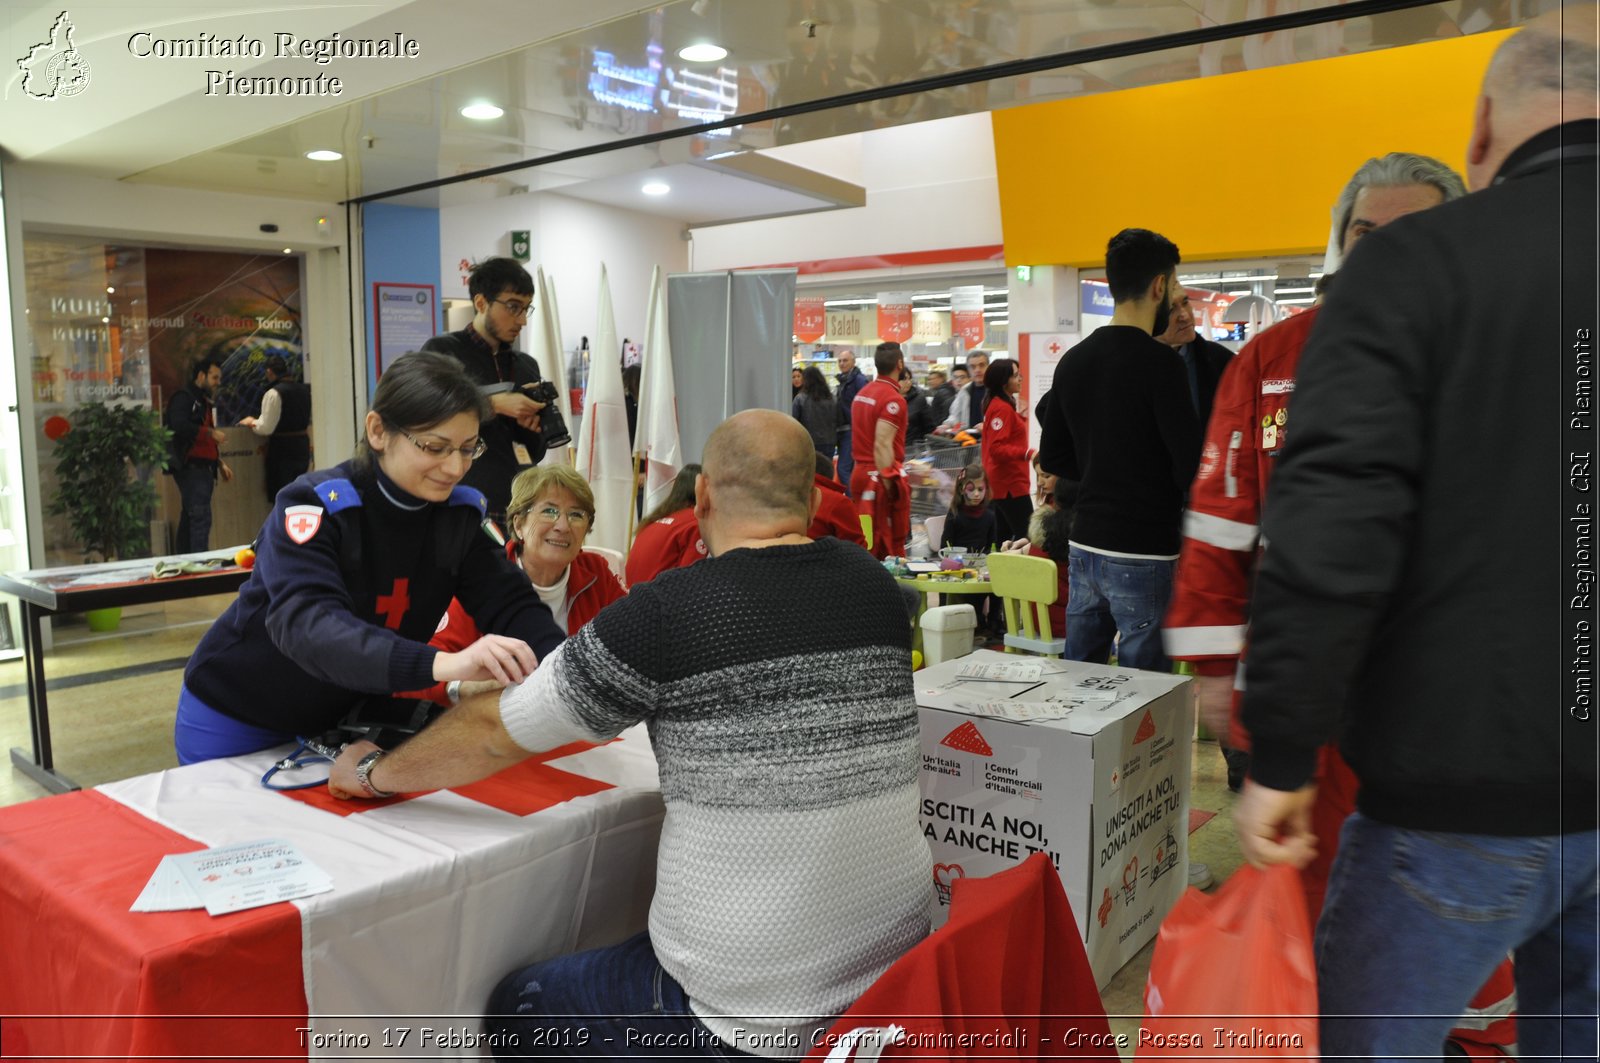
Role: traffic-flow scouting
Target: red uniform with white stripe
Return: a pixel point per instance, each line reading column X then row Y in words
column 885, row 499
column 1005, row 450
column 1208, row 617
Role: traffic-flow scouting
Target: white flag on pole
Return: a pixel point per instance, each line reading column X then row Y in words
column 552, row 358
column 656, row 442
column 604, row 457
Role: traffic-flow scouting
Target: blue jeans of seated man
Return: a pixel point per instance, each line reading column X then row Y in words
column 195, row 482
column 1108, row 596
column 615, row 1002
column 1415, row 921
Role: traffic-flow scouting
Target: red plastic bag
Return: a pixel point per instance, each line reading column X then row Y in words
column 1232, row 976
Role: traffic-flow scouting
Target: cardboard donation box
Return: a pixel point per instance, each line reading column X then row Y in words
column 1086, row 763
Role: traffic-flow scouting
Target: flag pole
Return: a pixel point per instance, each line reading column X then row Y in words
column 633, row 503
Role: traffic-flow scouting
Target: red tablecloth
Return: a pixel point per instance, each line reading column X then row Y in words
column 81, row 976
column 431, row 905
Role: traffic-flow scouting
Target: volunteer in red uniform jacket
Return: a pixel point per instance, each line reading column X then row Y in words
column 355, row 568
column 1206, row 622
column 878, row 439
column 1005, row 449
column 551, row 512
column 667, row 532
column 836, row 514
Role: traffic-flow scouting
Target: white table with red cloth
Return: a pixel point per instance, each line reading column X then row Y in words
column 435, row 898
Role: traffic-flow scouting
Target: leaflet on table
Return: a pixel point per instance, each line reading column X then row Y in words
column 1005, row 673
column 1056, row 705
column 232, row 878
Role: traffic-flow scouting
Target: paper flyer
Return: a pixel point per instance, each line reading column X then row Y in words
column 232, row 878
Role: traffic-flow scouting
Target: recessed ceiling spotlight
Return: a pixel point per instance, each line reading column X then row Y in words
column 110, row 290
column 288, row 250
column 482, row 112
column 703, row 52
column 324, row 155
column 656, row 188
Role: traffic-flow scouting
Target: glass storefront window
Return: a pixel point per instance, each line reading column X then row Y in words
column 122, row 325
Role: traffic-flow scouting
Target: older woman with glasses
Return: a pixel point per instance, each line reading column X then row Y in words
column 551, row 512
column 355, row 568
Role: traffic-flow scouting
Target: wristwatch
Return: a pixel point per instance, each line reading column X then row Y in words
column 364, row 773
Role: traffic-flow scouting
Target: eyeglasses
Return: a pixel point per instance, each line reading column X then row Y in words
column 576, row 518
column 435, row 449
column 514, row 309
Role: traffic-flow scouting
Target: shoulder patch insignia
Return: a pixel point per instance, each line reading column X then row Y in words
column 336, row 495
column 463, row 495
column 300, row 523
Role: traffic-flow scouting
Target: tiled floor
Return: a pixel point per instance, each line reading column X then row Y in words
column 115, row 721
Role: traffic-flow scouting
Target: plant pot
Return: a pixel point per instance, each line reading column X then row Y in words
column 104, row 619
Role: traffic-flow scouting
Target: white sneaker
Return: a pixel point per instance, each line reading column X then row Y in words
column 1200, row 876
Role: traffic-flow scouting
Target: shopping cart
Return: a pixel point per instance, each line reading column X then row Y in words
column 931, row 468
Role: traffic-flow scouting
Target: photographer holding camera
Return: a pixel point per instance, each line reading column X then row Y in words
column 524, row 424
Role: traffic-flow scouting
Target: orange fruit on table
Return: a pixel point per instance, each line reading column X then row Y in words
column 245, row 558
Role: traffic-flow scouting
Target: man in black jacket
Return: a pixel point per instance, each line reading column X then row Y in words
column 938, row 398
column 1203, row 360
column 1443, row 420
column 196, row 456
column 851, row 381
column 502, row 295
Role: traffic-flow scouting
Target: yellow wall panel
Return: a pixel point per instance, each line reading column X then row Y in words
column 1234, row 166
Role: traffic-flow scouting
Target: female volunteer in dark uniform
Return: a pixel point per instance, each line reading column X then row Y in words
column 354, row 569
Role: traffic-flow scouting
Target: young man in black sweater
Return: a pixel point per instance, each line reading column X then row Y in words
column 502, row 295
column 1121, row 423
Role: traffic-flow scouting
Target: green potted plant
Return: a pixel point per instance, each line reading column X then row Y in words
column 104, row 488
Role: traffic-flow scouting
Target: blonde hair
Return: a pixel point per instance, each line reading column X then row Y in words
column 531, row 484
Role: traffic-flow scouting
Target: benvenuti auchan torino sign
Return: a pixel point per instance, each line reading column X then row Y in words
column 320, row 51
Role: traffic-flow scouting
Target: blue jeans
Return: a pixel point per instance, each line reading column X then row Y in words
column 1415, row 921
column 195, row 482
column 1111, row 596
column 847, row 462
column 614, row 1002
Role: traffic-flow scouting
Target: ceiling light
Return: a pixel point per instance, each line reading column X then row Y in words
column 288, row 250
column 1295, row 291
column 702, row 52
column 481, row 112
column 656, row 188
column 324, row 155
column 110, row 290
column 105, row 321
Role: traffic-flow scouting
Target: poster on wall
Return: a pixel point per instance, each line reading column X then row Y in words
column 250, row 314
column 403, row 318
column 966, row 314
column 1040, row 353
column 894, row 316
column 810, row 318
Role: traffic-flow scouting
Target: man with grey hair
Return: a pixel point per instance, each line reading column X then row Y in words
column 792, row 870
column 1444, row 417
column 1245, row 432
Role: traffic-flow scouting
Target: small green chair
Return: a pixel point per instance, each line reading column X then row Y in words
column 1027, row 587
